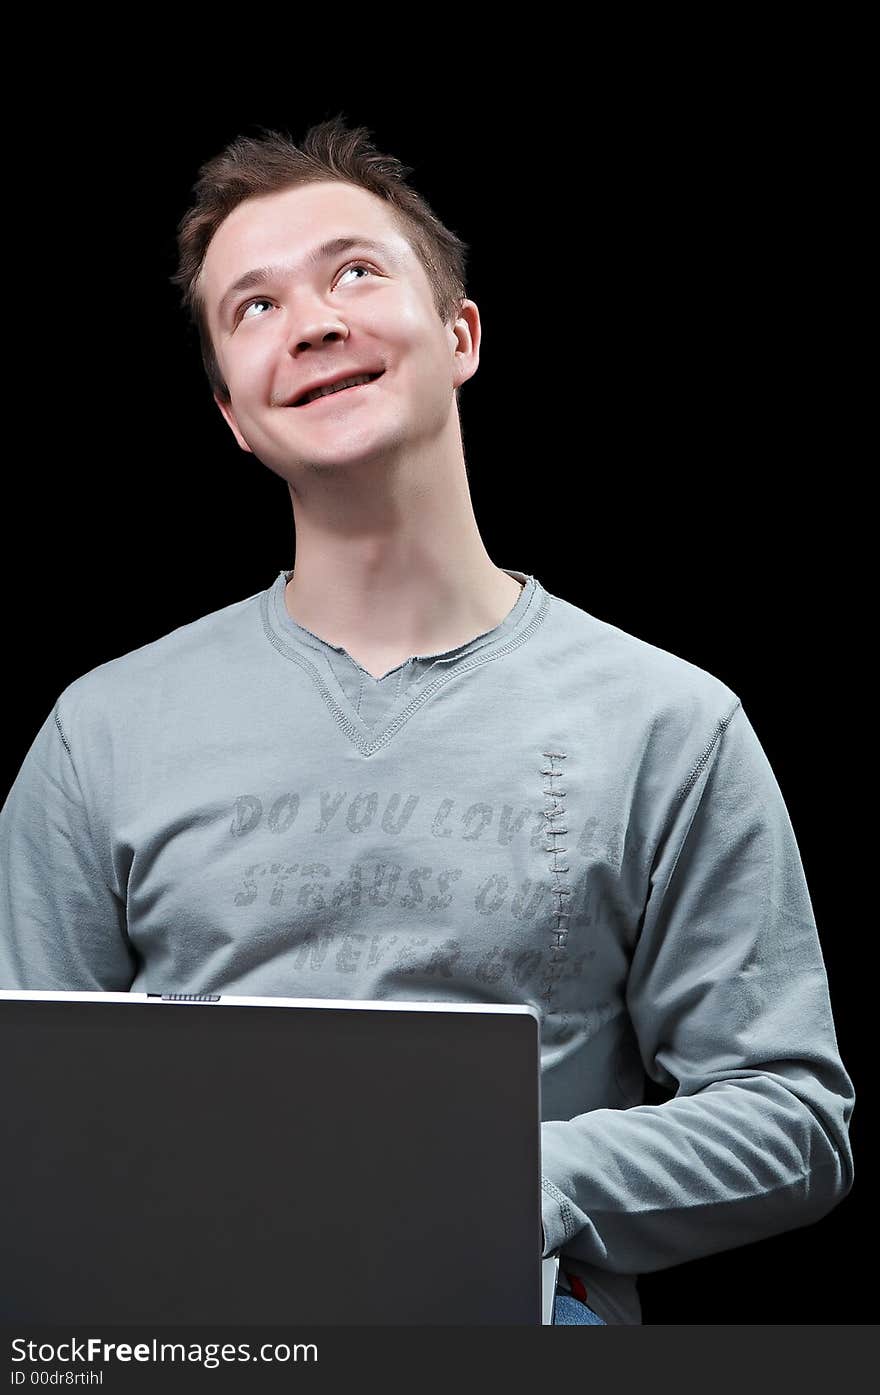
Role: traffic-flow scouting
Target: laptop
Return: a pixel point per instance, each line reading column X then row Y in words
column 207, row 1159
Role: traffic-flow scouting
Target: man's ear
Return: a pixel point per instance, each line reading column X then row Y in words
column 466, row 335
column 229, row 418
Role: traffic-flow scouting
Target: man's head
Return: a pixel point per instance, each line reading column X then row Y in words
column 316, row 284
column 251, row 169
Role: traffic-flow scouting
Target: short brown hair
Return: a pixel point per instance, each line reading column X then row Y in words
column 252, row 166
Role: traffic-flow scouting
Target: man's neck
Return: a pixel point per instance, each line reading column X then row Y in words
column 390, row 563
column 381, row 619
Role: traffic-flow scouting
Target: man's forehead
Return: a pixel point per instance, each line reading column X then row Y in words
column 291, row 222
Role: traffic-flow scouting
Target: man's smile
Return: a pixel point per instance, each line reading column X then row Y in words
column 343, row 386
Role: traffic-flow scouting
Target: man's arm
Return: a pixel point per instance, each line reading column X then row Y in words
column 62, row 921
column 728, row 996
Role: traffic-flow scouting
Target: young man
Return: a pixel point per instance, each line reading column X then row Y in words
column 401, row 771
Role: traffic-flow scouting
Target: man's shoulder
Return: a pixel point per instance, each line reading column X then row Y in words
column 639, row 673
column 196, row 645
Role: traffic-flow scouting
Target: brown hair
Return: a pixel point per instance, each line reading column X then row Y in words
column 253, row 166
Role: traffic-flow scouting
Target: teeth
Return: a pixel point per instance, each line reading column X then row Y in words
column 339, row 387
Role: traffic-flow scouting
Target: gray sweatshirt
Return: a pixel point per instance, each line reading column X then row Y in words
column 555, row 813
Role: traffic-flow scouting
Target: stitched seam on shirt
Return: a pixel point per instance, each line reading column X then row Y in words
column 369, row 747
column 335, row 710
column 689, row 783
column 569, row 1226
column 558, row 950
column 61, row 734
column 87, row 815
column 719, row 732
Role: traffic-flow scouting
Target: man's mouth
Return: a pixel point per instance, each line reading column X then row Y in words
column 349, row 386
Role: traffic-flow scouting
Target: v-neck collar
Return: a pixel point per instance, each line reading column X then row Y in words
column 372, row 709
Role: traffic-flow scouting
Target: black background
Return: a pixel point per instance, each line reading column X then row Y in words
column 660, row 428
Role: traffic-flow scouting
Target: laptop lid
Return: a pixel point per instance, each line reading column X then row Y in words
column 224, row 1159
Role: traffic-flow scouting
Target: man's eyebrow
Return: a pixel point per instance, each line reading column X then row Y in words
column 259, row 275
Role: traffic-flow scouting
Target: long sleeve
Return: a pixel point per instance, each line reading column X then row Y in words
column 62, row 921
column 728, row 996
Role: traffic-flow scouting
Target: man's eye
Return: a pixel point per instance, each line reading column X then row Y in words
column 357, row 266
column 261, row 300
column 249, row 303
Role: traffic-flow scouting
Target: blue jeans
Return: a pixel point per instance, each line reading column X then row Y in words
column 571, row 1312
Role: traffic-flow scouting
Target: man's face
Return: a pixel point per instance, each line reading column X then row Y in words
column 356, row 310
